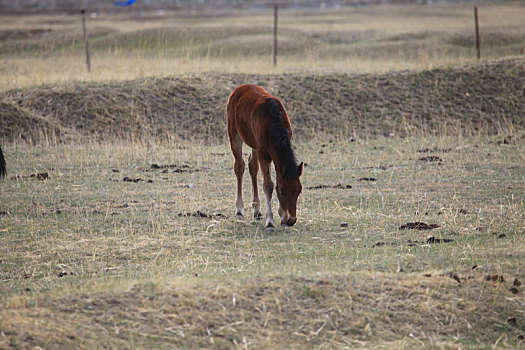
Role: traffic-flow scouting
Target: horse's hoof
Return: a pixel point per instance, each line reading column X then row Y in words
column 257, row 216
column 239, row 216
column 270, row 229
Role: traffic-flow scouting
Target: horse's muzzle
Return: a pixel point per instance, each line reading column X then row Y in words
column 289, row 222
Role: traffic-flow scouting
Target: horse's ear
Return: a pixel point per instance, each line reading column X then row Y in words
column 300, row 168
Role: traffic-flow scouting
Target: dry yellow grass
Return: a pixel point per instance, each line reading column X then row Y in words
column 484, row 99
column 370, row 39
column 89, row 260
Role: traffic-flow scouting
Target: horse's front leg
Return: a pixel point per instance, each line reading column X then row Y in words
column 253, row 165
column 268, row 190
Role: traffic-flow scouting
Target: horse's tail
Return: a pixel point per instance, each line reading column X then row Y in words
column 3, row 171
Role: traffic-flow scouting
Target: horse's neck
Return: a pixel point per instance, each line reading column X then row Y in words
column 281, row 163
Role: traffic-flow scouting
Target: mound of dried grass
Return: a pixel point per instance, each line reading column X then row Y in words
column 480, row 99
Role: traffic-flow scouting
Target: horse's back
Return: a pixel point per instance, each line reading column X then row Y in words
column 244, row 104
column 250, row 111
column 244, row 99
column 249, row 91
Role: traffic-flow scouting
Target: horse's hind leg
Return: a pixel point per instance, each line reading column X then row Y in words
column 253, row 165
column 238, row 169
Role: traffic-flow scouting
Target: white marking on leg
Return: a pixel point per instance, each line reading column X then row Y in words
column 269, row 215
column 239, row 208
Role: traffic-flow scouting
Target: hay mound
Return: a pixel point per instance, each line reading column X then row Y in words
column 484, row 98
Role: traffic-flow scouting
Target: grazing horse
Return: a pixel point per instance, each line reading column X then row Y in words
column 3, row 172
column 258, row 119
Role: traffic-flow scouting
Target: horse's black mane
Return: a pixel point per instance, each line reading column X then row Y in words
column 280, row 139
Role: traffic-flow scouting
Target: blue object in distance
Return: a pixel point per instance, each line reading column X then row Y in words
column 124, row 3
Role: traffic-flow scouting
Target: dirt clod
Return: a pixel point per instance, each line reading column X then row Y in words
column 41, row 176
column 418, row 226
column 434, row 149
column 52, row 211
column 38, row 176
column 516, row 282
column 432, row 240
column 130, row 179
column 184, row 168
column 322, row 186
column 367, row 179
column 429, row 159
column 514, row 290
column 200, row 214
column 454, row 276
column 495, row 278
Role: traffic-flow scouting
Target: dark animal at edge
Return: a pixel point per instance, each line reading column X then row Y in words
column 3, row 171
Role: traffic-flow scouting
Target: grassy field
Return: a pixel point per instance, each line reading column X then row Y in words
column 89, row 259
column 47, row 49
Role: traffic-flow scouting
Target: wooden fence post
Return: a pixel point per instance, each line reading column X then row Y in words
column 478, row 49
column 275, row 8
column 88, row 60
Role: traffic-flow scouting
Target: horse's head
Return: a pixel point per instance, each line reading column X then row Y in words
column 288, row 190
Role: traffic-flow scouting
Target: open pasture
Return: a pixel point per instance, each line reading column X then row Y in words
column 43, row 49
column 117, row 226
column 136, row 245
